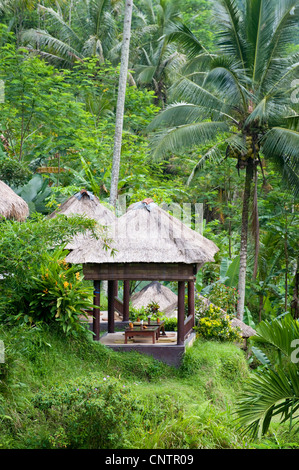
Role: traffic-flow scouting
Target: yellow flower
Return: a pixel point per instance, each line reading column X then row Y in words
column 65, row 284
column 78, row 276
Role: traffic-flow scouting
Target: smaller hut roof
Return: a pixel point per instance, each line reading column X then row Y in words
column 158, row 293
column 148, row 234
column 12, row 206
column 86, row 203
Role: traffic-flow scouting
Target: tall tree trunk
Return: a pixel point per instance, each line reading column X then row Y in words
column 244, row 236
column 255, row 225
column 121, row 101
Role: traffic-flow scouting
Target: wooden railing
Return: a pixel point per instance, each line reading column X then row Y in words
column 188, row 325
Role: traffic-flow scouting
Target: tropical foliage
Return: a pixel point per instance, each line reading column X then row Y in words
column 243, row 93
column 274, row 388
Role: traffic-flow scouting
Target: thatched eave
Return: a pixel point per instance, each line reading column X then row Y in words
column 12, row 206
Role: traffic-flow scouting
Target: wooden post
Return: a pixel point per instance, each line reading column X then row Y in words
column 126, row 300
column 116, row 289
column 96, row 310
column 181, row 312
column 111, row 296
column 191, row 300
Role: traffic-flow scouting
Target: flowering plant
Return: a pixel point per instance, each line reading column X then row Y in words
column 215, row 324
column 59, row 294
column 224, row 296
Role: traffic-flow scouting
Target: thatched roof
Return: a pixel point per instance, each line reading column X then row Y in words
column 86, row 203
column 148, row 234
column 156, row 292
column 12, row 206
column 246, row 330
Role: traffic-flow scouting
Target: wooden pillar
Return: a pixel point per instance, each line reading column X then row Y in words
column 111, row 296
column 96, row 310
column 191, row 300
column 181, row 312
column 115, row 288
column 126, row 300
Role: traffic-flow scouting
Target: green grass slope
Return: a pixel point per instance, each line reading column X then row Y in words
column 58, row 392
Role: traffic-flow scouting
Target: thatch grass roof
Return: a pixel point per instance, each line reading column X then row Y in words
column 86, row 203
column 158, row 293
column 12, row 206
column 148, row 234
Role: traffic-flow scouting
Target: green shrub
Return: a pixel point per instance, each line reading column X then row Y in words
column 24, row 251
column 59, row 294
column 214, row 324
column 153, row 310
column 93, row 413
column 225, row 297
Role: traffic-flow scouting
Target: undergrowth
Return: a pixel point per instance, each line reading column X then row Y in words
column 71, row 392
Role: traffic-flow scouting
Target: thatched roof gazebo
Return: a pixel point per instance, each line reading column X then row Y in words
column 12, row 206
column 149, row 245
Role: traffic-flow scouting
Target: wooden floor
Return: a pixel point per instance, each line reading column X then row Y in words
column 110, row 339
column 165, row 349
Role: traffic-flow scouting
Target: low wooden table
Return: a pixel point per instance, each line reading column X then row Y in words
column 152, row 331
column 153, row 324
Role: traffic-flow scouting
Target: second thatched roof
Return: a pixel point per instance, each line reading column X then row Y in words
column 148, row 234
column 86, row 203
column 158, row 293
column 12, row 206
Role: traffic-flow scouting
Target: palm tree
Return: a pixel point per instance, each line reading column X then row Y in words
column 274, row 389
column 155, row 59
column 242, row 93
column 85, row 29
column 15, row 12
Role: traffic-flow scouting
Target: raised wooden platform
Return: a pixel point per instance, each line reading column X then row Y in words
column 171, row 353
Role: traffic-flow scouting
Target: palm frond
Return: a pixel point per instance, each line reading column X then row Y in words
column 286, row 18
column 194, row 93
column 186, row 136
column 270, row 393
column 214, row 154
column 279, row 333
column 65, row 31
column 145, row 73
column 177, row 114
column 259, row 20
column 281, row 145
column 281, row 141
column 227, row 78
column 182, row 35
column 54, row 45
column 229, row 18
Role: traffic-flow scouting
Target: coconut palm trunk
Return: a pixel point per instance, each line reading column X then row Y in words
column 244, row 238
column 121, row 101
